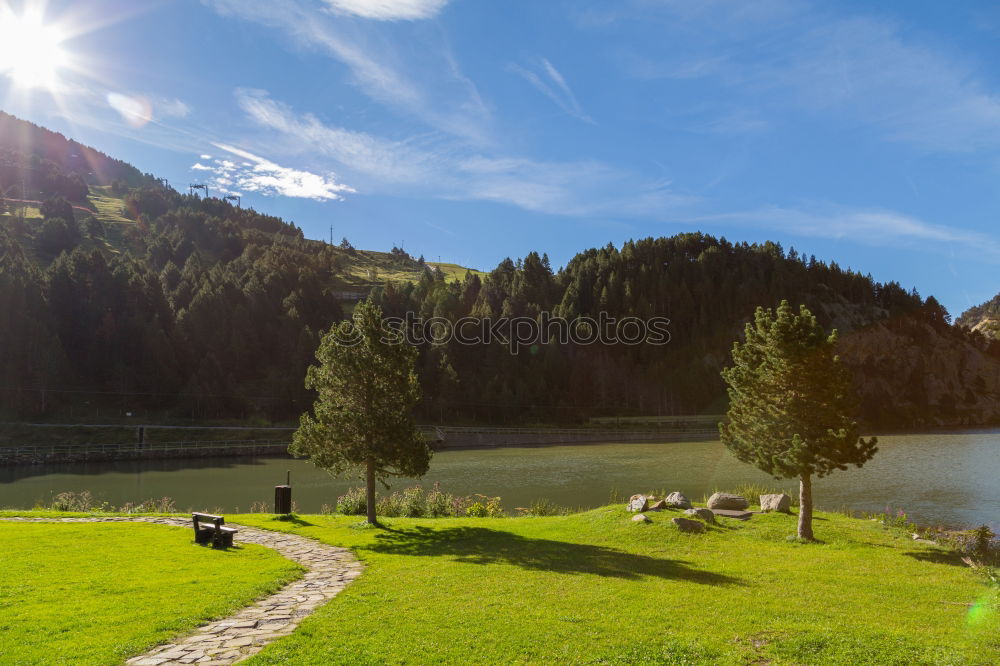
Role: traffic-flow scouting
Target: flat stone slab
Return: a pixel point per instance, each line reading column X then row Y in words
column 328, row 570
column 732, row 513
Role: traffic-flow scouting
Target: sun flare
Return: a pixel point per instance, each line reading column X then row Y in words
column 31, row 52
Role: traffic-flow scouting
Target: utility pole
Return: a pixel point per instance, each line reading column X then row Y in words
column 331, row 234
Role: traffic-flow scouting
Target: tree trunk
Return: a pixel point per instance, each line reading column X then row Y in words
column 370, row 492
column 805, row 507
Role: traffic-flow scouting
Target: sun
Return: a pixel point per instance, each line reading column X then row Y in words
column 31, row 52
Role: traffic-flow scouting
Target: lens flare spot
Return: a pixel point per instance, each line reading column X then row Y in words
column 979, row 612
column 136, row 111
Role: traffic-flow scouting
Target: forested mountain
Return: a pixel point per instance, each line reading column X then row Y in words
column 912, row 367
column 144, row 299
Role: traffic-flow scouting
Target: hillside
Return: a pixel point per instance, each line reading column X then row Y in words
column 132, row 297
column 120, row 294
column 984, row 319
column 912, row 368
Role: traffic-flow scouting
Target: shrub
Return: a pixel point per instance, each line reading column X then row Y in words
column 476, row 510
column 353, row 502
column 438, row 503
column 162, row 505
column 416, row 502
column 979, row 543
column 485, row 507
column 897, row 518
column 544, row 507
column 413, row 502
column 84, row 502
column 70, row 501
column 389, row 506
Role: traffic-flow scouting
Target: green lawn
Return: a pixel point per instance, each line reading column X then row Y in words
column 108, row 206
column 97, row 593
column 589, row 588
column 595, row 588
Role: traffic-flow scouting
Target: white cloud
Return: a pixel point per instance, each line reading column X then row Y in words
column 418, row 77
column 260, row 175
column 868, row 226
column 389, row 10
column 170, row 107
column 450, row 170
column 551, row 83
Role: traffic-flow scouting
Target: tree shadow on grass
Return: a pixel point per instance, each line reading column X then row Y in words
column 937, row 557
column 295, row 520
column 480, row 545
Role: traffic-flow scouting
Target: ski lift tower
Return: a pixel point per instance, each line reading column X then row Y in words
column 198, row 186
column 233, row 197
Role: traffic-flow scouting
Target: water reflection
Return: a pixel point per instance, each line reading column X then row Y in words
column 946, row 477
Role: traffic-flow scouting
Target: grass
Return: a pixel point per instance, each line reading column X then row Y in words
column 371, row 267
column 97, row 593
column 30, row 213
column 586, row 588
column 108, row 206
column 595, row 588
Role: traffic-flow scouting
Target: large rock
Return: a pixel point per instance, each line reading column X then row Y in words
column 637, row 503
column 659, row 506
column 728, row 501
column 688, row 525
column 780, row 502
column 704, row 514
column 639, row 518
column 678, row 501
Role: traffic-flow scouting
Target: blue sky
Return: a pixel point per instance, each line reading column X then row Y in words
column 865, row 133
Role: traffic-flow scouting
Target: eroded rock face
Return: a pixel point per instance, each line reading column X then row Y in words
column 704, row 514
column 780, row 502
column 638, row 503
column 728, row 501
column 688, row 525
column 678, row 501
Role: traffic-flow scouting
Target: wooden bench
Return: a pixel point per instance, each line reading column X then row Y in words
column 212, row 529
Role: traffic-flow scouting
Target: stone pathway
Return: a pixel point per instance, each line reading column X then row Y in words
column 239, row 636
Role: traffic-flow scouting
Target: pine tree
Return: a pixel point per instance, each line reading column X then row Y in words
column 790, row 403
column 362, row 417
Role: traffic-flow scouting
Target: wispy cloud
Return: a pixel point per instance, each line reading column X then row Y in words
column 551, row 83
column 445, row 169
column 260, row 175
column 859, row 69
column 171, row 107
column 419, row 78
column 388, row 10
column 884, row 228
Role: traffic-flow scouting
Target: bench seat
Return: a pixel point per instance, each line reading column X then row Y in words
column 209, row 528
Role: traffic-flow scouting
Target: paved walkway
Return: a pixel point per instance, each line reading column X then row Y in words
column 239, row 636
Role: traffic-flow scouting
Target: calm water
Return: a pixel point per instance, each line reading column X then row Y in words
column 948, row 478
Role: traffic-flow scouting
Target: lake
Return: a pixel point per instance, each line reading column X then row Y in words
column 946, row 478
